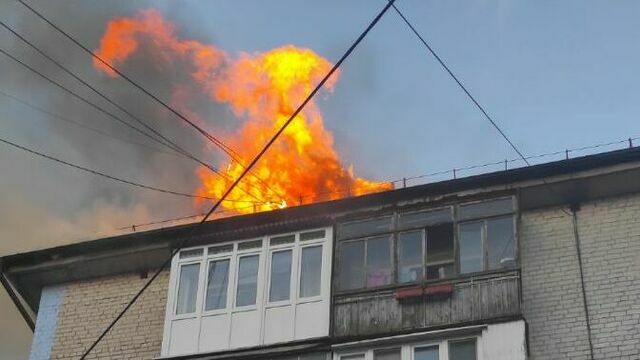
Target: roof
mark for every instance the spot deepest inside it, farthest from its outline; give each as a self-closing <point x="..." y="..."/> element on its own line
<point x="26" y="273"/>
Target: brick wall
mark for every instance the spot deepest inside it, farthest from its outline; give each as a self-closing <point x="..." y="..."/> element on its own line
<point x="89" y="306"/>
<point x="552" y="298"/>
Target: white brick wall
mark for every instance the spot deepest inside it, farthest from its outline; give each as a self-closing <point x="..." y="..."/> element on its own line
<point x="552" y="298"/>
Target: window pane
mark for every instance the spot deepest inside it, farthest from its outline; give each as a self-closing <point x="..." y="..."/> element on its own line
<point x="352" y="357"/>
<point x="410" y="257"/>
<point x="247" y="280"/>
<point x="217" y="285"/>
<point x="280" y="276"/>
<point x="471" y="259"/>
<point x="427" y="353"/>
<point x="312" y="235"/>
<point x="378" y="261"/>
<point x="352" y="265"/>
<point x="314" y="356"/>
<point x="190" y="253"/>
<point x="440" y="258"/>
<point x="250" y="245"/>
<point x="310" y="271"/>
<point x="363" y="228"/>
<point x="485" y="209"/>
<point x="280" y="240"/>
<point x="424" y="218"/>
<point x="389" y="354"/>
<point x="501" y="243"/>
<point x="187" y="288"/>
<point x="462" y="350"/>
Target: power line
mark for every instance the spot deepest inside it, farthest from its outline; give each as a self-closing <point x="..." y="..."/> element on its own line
<point x="81" y="125"/>
<point x="415" y="177"/>
<point x="217" y="142"/>
<point x="184" y="242"/>
<point x="477" y="104"/>
<point x="105" y="175"/>
<point x="169" y="143"/>
<point x="454" y="77"/>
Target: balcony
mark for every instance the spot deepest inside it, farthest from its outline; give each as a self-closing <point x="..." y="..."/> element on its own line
<point x="465" y="300"/>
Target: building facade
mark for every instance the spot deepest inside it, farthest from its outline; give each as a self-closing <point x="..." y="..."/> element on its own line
<point x="536" y="263"/>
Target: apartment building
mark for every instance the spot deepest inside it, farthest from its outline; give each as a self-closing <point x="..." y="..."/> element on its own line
<point x="541" y="262"/>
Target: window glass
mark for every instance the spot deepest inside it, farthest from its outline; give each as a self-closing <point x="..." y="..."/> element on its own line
<point x="410" y="256"/>
<point x="485" y="209"/>
<point x="352" y="357"/>
<point x="387" y="354"/>
<point x="314" y="356"/>
<point x="440" y="258"/>
<point x="470" y="238"/>
<point x="500" y="242"/>
<point x="280" y="276"/>
<point x="187" y="289"/>
<point x="352" y="265"/>
<point x="424" y="218"/>
<point x="217" y="284"/>
<point x="247" y="280"/>
<point x="280" y="240"/>
<point x="220" y="249"/>
<point x="426" y="353"/>
<point x="312" y="235"/>
<point x="462" y="350"/>
<point x="310" y="271"/>
<point x="250" y="245"/>
<point x="363" y="228"/>
<point x="190" y="253"/>
<point x="379" y="261"/>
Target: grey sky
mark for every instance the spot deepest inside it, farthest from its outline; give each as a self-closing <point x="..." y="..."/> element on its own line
<point x="553" y="74"/>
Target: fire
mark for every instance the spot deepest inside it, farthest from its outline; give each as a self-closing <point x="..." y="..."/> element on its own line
<point x="263" y="89"/>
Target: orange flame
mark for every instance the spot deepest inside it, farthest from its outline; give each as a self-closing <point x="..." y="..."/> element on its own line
<point x="264" y="89"/>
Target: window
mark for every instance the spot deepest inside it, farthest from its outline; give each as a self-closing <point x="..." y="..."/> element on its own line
<point x="387" y="354"/>
<point x="366" y="263"/>
<point x="310" y="271"/>
<point x="280" y="276"/>
<point x="410" y="256"/>
<point x="462" y="350"/>
<point x="487" y="245"/>
<point x="459" y="349"/>
<point x="352" y="265"/>
<point x="440" y="257"/>
<point x="426" y="353"/>
<point x="187" y="288"/>
<point x="217" y="284"/>
<point x="426" y="245"/>
<point x="247" y="280"/>
<point x="226" y="295"/>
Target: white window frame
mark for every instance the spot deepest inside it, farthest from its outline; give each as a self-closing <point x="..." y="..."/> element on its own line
<point x="264" y="252"/>
<point x="407" y="349"/>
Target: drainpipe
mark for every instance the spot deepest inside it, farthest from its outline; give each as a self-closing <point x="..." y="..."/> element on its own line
<point x="574" y="209"/>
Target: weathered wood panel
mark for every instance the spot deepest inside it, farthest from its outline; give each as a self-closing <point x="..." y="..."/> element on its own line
<point x="380" y="312"/>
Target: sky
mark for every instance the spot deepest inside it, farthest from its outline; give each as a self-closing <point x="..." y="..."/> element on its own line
<point x="554" y="75"/>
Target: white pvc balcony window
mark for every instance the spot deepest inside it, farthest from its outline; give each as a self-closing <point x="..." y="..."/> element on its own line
<point x="311" y="271"/>
<point x="426" y="353"/>
<point x="187" y="289"/>
<point x="387" y="354"/>
<point x="217" y="285"/>
<point x="247" y="280"/>
<point x="463" y="350"/>
<point x="280" y="287"/>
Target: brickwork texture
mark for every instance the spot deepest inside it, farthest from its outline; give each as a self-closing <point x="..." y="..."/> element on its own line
<point x="609" y="232"/>
<point x="89" y="306"/>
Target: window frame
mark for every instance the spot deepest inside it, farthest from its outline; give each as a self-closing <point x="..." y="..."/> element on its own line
<point x="484" y="243"/>
<point x="407" y="350"/>
<point x="396" y="230"/>
<point x="230" y="250"/>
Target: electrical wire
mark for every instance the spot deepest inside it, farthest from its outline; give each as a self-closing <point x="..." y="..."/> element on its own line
<point x="168" y="142"/>
<point x="105" y="175"/>
<point x="198" y="226"/>
<point x="81" y="125"/>
<point x="217" y="142"/>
